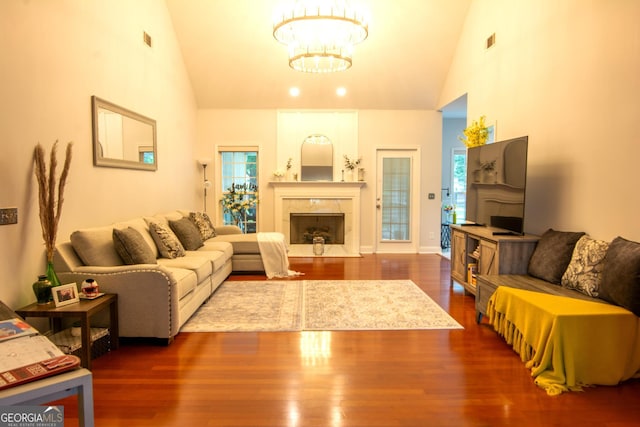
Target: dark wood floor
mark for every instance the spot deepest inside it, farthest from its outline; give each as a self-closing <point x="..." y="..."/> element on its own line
<point x="464" y="377"/>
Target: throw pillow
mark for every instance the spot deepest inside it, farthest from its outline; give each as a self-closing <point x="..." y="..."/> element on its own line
<point x="621" y="275"/>
<point x="204" y="224"/>
<point x="585" y="269"/>
<point x="187" y="233"/>
<point x="553" y="254"/>
<point x="168" y="244"/>
<point x="131" y="247"/>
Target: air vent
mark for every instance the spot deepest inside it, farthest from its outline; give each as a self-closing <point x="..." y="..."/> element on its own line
<point x="146" y="38"/>
<point x="491" y="40"/>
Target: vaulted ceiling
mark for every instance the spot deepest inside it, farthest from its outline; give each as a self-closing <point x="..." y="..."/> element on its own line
<point x="234" y="62"/>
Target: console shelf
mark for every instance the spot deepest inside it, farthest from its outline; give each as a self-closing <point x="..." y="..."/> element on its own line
<point x="478" y="248"/>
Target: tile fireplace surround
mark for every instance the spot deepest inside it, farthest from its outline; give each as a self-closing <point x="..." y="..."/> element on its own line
<point x="319" y="197"/>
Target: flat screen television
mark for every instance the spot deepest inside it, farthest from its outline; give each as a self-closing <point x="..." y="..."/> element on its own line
<point x="496" y="184"/>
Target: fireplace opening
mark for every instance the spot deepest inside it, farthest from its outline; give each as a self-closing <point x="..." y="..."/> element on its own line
<point x="305" y="226"/>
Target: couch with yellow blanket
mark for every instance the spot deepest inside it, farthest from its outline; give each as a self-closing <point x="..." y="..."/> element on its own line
<point x="574" y="318"/>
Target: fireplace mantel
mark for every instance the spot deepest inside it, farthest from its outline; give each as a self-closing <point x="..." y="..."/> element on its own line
<point x="319" y="196"/>
<point x="315" y="184"/>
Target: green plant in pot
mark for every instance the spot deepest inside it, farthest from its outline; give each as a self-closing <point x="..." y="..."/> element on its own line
<point x="50" y="199"/>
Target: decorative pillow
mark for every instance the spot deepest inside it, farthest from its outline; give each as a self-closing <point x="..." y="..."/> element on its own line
<point x="204" y="224"/>
<point x="585" y="269"/>
<point x="131" y="247"/>
<point x="553" y="254"/>
<point x="621" y="275"/>
<point x="168" y="244"/>
<point x="187" y="233"/>
<point x="94" y="246"/>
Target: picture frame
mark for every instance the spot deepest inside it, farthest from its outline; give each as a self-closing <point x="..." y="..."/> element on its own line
<point x="65" y="294"/>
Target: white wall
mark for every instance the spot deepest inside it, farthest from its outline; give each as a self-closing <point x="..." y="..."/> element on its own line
<point x="376" y="129"/>
<point x="53" y="56"/>
<point x="216" y="128"/>
<point x="566" y="73"/>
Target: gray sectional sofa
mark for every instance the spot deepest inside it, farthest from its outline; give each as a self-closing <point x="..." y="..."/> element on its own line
<point x="159" y="284"/>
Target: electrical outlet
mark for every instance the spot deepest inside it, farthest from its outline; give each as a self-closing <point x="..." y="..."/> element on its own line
<point x="432" y="196"/>
<point x="8" y="216"/>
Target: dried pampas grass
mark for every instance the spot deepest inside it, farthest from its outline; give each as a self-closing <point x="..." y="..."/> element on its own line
<point x="50" y="205"/>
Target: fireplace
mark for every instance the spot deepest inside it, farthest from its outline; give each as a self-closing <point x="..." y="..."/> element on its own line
<point x="333" y="205"/>
<point x="305" y="226"/>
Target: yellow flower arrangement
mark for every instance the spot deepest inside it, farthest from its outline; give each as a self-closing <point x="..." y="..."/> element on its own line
<point x="476" y="133"/>
<point x="238" y="199"/>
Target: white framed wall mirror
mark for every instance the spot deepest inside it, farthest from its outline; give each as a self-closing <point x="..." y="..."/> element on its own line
<point x="122" y="138"/>
<point x="316" y="159"/>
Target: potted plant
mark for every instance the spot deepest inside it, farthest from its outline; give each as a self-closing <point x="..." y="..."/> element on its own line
<point x="488" y="171"/>
<point x="50" y="202"/>
<point x="475" y="134"/>
<point x="351" y="165"/>
<point x="237" y="201"/>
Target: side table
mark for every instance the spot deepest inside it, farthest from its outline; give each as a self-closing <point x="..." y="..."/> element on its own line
<point x="445" y="236"/>
<point x="82" y="310"/>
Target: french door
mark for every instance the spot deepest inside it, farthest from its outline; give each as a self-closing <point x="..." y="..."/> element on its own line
<point x="397" y="207"/>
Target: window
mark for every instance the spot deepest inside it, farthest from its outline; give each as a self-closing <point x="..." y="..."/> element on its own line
<point x="459" y="180"/>
<point x="239" y="188"/>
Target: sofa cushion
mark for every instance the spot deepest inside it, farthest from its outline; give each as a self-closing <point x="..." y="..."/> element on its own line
<point x="94" y="246"/>
<point x="186" y="280"/>
<point x="131" y="247"/>
<point x="585" y="269"/>
<point x="621" y="275"/>
<point x="204" y="224"/>
<point x="242" y="243"/>
<point x="200" y="265"/>
<point x="167" y="242"/>
<point x="187" y="233"/>
<point x="213" y="245"/>
<point x="217" y="258"/>
<point x="553" y="254"/>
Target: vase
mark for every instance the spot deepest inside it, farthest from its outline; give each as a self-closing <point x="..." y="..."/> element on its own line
<point x="360" y="174"/>
<point x="42" y="289"/>
<point x="318" y="245"/>
<point x="489" y="177"/>
<point x="51" y="275"/>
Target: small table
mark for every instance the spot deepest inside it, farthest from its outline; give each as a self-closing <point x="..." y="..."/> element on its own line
<point x="445" y="236"/>
<point x="78" y="381"/>
<point x="83" y="310"/>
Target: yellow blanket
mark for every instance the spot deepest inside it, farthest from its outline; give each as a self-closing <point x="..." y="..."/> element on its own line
<point x="567" y="343"/>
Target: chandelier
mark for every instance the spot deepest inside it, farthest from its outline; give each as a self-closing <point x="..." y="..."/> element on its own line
<point x="320" y="34"/>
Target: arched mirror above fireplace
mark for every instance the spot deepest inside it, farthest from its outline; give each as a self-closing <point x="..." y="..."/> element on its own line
<point x="316" y="159"/>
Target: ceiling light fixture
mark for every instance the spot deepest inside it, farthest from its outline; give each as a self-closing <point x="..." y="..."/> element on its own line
<point x="341" y="91"/>
<point x="320" y="34"/>
<point x="294" y="91"/>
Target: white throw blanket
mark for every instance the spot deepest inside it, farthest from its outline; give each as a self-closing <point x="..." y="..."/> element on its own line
<point x="274" y="255"/>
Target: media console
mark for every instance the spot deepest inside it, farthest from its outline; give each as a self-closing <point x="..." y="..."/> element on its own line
<point x="487" y="250"/>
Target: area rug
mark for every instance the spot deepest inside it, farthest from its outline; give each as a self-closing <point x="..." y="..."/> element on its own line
<point x="312" y="305"/>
